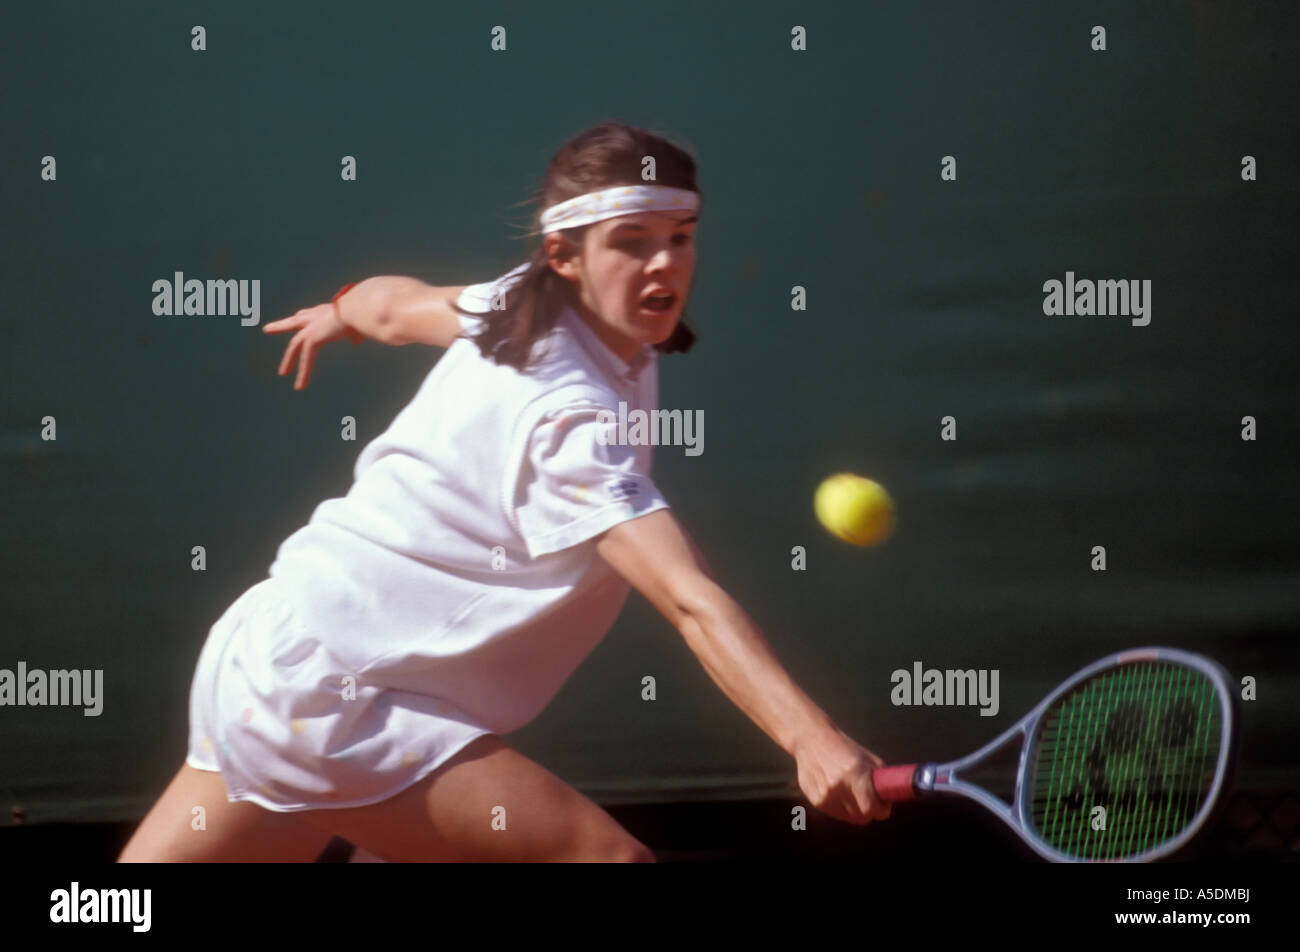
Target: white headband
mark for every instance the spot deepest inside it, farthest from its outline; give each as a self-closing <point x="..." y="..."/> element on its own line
<point x="620" y="200"/>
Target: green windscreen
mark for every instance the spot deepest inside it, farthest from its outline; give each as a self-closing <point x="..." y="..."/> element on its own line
<point x="1139" y="740"/>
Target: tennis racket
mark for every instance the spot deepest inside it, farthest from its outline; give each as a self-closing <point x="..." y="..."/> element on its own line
<point x="1148" y="735"/>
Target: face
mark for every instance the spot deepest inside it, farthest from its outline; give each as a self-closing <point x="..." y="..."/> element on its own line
<point x="624" y="263"/>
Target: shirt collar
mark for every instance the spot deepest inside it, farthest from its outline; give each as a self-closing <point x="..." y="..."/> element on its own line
<point x="627" y="371"/>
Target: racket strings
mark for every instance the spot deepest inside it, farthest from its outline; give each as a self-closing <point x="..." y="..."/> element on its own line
<point x="1140" y="741"/>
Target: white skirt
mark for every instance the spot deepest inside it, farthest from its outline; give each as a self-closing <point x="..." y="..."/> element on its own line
<point x="290" y="728"/>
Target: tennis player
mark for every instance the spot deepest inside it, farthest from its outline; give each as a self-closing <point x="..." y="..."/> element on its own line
<point x="488" y="542"/>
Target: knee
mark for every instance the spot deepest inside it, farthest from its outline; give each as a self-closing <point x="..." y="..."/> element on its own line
<point x="617" y="848"/>
<point x="631" y="851"/>
<point x="139" y="850"/>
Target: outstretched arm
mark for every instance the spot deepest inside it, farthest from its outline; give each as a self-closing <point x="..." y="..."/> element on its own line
<point x="414" y="313"/>
<point x="657" y="557"/>
<point x="390" y="309"/>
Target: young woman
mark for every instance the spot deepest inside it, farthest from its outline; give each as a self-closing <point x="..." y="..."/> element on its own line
<point x="490" y="538"/>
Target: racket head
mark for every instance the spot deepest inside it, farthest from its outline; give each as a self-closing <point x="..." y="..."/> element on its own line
<point x="1149" y="735"/>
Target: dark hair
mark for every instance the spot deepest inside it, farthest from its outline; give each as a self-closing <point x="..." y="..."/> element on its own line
<point x="603" y="156"/>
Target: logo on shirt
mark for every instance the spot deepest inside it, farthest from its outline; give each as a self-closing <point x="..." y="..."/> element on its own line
<point x="622" y="488"/>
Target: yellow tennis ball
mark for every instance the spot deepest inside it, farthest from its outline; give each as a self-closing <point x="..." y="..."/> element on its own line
<point x="855" y="509"/>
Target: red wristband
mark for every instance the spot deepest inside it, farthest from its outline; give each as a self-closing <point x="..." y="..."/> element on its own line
<point x="356" y="336"/>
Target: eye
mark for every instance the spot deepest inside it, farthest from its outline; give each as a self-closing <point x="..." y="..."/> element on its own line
<point x="638" y="242"/>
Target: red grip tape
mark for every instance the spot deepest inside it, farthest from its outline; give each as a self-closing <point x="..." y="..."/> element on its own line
<point x="894" y="784"/>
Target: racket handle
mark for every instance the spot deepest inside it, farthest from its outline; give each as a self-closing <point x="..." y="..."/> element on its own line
<point x="894" y="784"/>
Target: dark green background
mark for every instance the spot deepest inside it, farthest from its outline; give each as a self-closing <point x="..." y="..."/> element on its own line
<point x="819" y="169"/>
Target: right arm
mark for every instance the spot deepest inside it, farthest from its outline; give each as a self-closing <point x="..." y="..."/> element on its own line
<point x="657" y="557"/>
<point x="390" y="309"/>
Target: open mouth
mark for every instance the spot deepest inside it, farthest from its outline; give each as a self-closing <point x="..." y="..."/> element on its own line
<point x="659" y="302"/>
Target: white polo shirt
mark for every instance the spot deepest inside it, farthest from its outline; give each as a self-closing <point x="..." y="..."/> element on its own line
<point x="449" y="594"/>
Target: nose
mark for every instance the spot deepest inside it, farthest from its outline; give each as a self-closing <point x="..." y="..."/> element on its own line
<point x="665" y="258"/>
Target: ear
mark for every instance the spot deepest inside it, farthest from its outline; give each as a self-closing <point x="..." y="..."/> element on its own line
<point x="561" y="255"/>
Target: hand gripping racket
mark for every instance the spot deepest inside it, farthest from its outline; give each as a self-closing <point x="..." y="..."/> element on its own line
<point x="1149" y="735"/>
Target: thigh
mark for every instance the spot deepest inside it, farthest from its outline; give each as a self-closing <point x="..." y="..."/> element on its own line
<point x="232" y="832"/>
<point x="488" y="803"/>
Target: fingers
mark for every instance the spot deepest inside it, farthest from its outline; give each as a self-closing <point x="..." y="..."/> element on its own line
<point x="285" y="324"/>
<point x="856" y="806"/>
<point x="290" y="354"/>
<point x="305" y="363"/>
<point x="880" y="809"/>
<point x="869" y="805"/>
<point x="846" y="791"/>
<point x="857" y="799"/>
<point x="852" y="803"/>
<point x="859" y="811"/>
<point x="851" y="809"/>
<point x="301" y="349"/>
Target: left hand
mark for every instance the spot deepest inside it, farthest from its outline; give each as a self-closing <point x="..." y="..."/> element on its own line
<point x="315" y="327"/>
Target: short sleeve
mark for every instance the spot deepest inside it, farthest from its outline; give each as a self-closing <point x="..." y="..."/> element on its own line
<point x="576" y="482"/>
<point x="478" y="297"/>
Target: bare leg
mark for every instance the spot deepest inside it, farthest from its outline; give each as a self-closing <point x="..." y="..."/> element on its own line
<point x="449" y="816"/>
<point x="235" y="832"/>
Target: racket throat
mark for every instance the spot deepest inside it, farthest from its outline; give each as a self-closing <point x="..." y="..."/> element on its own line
<point x="994" y="770"/>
